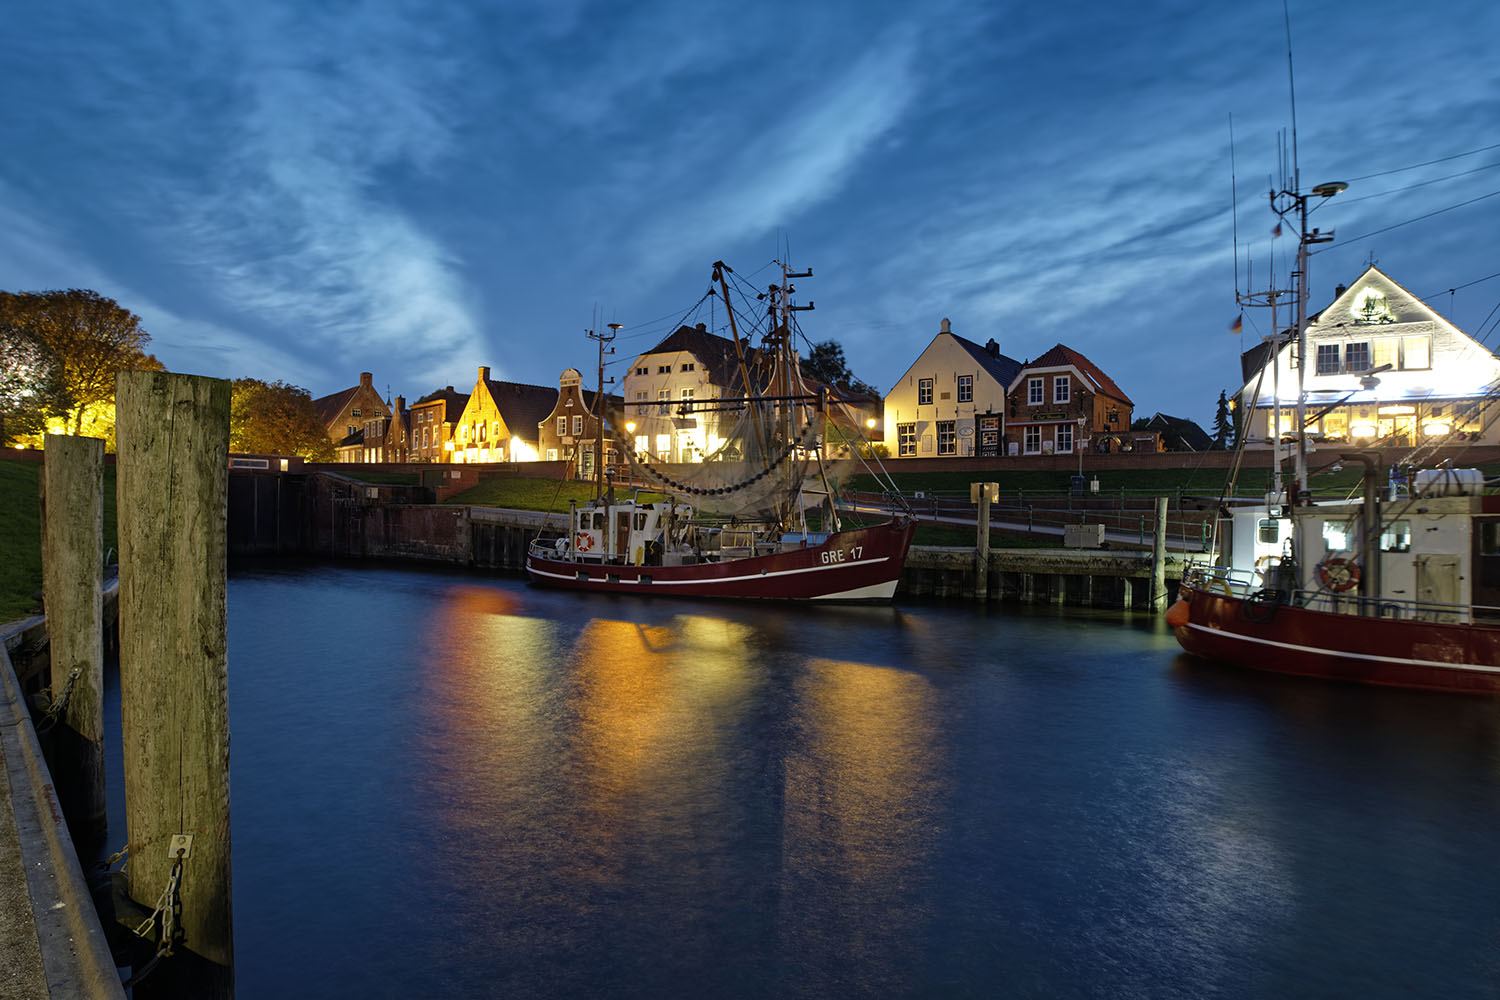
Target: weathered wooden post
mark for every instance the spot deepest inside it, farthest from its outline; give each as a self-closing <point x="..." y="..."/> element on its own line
<point x="173" y="481"/>
<point x="982" y="494"/>
<point x="1159" y="559"/>
<point x="72" y="488"/>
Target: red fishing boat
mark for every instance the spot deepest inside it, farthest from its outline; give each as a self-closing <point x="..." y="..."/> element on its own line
<point x="758" y="518"/>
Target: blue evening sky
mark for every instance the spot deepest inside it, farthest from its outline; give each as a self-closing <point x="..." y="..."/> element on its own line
<point x="303" y="190"/>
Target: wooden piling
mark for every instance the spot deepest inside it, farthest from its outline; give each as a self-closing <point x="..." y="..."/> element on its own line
<point x="173" y="433"/>
<point x="1159" y="559"/>
<point x="72" y="489"/>
<point x="982" y="541"/>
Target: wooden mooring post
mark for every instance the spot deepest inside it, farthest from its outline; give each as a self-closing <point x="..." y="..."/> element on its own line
<point x="1159" y="559"/>
<point x="982" y="494"/>
<point x="72" y="493"/>
<point x="172" y="487"/>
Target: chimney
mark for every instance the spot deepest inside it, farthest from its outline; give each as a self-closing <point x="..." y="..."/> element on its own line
<point x="449" y="389"/>
<point x="364" y="378"/>
<point x="945" y="326"/>
<point x="701" y="328"/>
<point x="484" y="373"/>
<point x="400" y="403"/>
<point x="1340" y="290"/>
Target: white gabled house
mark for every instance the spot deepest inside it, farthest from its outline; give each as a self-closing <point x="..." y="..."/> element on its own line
<point x="1384" y="369"/>
<point x="951" y="401"/>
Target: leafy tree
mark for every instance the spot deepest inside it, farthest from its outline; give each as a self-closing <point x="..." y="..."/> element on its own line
<point x="825" y="362"/>
<point x="1224" y="429"/>
<point x="31" y="384"/>
<point x="91" y="336"/>
<point x="273" y="418"/>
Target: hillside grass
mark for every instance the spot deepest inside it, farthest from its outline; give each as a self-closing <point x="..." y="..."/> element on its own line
<point x="21" y="536"/>
<point x="521" y="493"/>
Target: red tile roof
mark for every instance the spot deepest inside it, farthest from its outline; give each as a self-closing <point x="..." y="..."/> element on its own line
<point x="1062" y="356"/>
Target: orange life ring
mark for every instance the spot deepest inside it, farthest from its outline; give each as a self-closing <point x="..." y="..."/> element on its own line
<point x="584" y="541"/>
<point x="1338" y="574"/>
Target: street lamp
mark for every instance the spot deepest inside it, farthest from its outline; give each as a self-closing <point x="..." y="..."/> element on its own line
<point x="1078" y="444"/>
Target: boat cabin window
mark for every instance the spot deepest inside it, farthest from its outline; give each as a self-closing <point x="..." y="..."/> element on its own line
<point x="583" y="522"/>
<point x="1336" y="535"/>
<point x="1396" y="537"/>
<point x="1489" y="538"/>
<point x="599" y="520"/>
<point x="1269" y="533"/>
<point x="640" y="521"/>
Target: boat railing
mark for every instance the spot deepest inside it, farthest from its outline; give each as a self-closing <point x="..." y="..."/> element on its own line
<point x="1252" y="585"/>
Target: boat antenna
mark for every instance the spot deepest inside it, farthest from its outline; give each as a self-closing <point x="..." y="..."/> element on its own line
<point x="1234" y="210"/>
<point x="1286" y="14"/>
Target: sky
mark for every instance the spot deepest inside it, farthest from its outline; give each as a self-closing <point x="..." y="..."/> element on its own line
<point x="302" y="190"/>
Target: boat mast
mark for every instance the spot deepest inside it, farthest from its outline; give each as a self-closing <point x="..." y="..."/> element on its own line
<point x="604" y="339"/>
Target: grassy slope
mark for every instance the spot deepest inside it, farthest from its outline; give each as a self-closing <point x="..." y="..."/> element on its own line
<point x="20" y="535"/>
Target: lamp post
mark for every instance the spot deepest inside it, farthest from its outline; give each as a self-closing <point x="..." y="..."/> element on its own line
<point x="1083" y="421"/>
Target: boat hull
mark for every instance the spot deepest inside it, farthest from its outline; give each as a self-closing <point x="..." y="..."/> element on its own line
<point x="1386" y="651"/>
<point x="859" y="565"/>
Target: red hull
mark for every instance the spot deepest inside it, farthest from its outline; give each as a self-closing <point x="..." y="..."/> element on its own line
<point x="1398" y="653"/>
<point x="862" y="564"/>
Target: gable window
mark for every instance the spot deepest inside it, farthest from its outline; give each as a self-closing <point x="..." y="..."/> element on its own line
<point x="577" y="423"/>
<point x="906" y="439"/>
<point x="924" y="391"/>
<point x="1064" y="439"/>
<point x="562" y="426"/>
<point x="356" y="413"/>
<point x="643" y="370"/>
<point x="1416" y="352"/>
<point x="1328" y="359"/>
<point x="947" y="434"/>
<point x="481" y="431"/>
<point x="664" y="401"/>
<point x="966" y="388"/>
<point x="1031" y="438"/>
<point x="1357" y="356"/>
<point x="688" y="366"/>
<point x="1062" y="389"/>
<point x="1034" y="392"/>
<point x="663" y="369"/>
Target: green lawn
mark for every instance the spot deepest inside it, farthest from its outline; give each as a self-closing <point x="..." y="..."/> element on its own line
<point x="21" y="539"/>
<point x="520" y="493"/>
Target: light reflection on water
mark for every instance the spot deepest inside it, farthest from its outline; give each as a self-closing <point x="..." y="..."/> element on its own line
<point x="448" y="785"/>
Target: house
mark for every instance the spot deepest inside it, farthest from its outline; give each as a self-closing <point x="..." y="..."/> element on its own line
<point x="951" y="401"/>
<point x="343" y="413"/>
<point x="660" y="387"/>
<point x="396" y="446"/>
<point x="1173" y="434"/>
<point x="500" y="421"/>
<point x="1385" y="370"/>
<point x="570" y="432"/>
<point x="433" y="420"/>
<point x="1061" y="401"/>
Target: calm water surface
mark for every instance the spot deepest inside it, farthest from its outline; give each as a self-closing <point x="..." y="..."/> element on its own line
<point x="449" y="785"/>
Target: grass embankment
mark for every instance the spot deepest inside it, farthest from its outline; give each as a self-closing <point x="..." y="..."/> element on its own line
<point x="520" y="493"/>
<point x="21" y="535"/>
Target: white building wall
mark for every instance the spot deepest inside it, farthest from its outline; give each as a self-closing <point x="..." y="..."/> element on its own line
<point x="684" y="443"/>
<point x="944" y="360"/>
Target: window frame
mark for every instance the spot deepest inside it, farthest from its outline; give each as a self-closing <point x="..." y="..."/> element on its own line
<point x="906" y="440"/>
<point x="947" y="437"/>
<point x="966" y="388"/>
<point x="1064" y="383"/>
<point x="924" y="392"/>
<point x="1063" y="431"/>
<point x="1035" y="390"/>
<point x="1031" y="440"/>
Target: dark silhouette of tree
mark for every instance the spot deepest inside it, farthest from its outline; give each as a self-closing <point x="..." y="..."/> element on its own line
<point x="273" y="418"/>
<point x="31" y="384"/>
<point x="825" y="362"/>
<point x="1224" y="427"/>
<point x="91" y="336"/>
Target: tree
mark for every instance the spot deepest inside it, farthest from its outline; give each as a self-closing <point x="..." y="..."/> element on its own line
<point x="31" y="384"/>
<point x="825" y="362"/>
<point x="1224" y="429"/>
<point x="93" y="338"/>
<point x="273" y="418"/>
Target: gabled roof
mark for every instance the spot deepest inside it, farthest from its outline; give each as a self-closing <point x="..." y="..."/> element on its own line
<point x="1180" y="433"/>
<point x="329" y="407"/>
<point x="453" y="402"/>
<point x="1062" y="356"/>
<point x="523" y="407"/>
<point x="1003" y="369"/>
<point x="716" y="353"/>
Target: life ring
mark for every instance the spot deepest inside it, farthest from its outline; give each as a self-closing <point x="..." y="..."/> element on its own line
<point x="584" y="541"/>
<point x="1338" y="574"/>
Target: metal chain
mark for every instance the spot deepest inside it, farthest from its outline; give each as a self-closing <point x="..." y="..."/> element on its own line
<point x="169" y="909"/>
<point x="57" y="708"/>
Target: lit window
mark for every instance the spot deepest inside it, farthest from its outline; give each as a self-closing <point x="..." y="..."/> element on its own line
<point x="1336" y="536"/>
<point x="906" y="439"/>
<point x="1034" y="393"/>
<point x="1416" y="352"/>
<point x="1328" y="359"/>
<point x="562" y="426"/>
<point x="1396" y="537"/>
<point x="924" y="391"/>
<point x="687" y="397"/>
<point x="357" y="413"/>
<point x="1062" y="389"/>
<point x="947" y="437"/>
<point x="966" y="388"/>
<point x="1064" y="439"/>
<point x="1032" y="439"/>
<point x="1382" y="353"/>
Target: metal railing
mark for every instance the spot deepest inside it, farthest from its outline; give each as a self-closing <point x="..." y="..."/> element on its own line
<point x="1254" y="585"/>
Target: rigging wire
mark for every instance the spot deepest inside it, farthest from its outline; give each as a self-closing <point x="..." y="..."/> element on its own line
<point x="1427" y="163"/>
<point x="1409" y="187"/>
<point x="1398" y="225"/>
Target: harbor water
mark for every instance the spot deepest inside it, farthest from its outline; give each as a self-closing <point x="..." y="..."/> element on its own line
<point x="459" y="786"/>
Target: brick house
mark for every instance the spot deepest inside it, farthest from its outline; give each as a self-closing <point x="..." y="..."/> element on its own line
<point x="343" y="414"/>
<point x="570" y="432"/>
<point x="434" y="419"/>
<point x="501" y="421"/>
<point x="1063" y="401"/>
